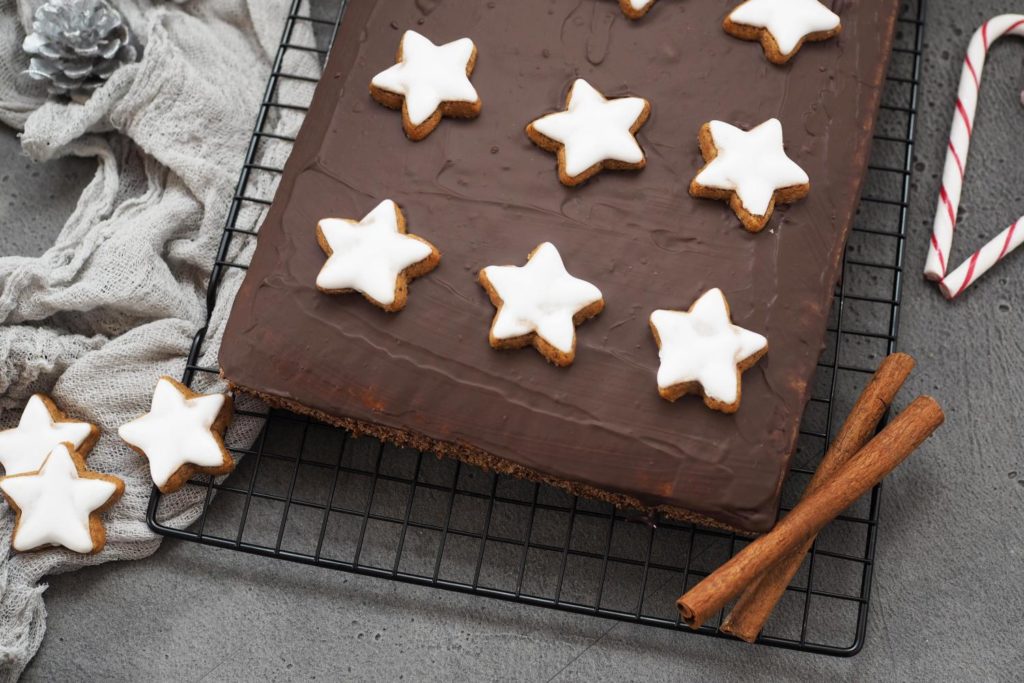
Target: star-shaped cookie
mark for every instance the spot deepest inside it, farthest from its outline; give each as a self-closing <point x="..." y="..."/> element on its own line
<point x="750" y="169"/>
<point x="593" y="133"/>
<point x="42" y="427"/>
<point x="182" y="434"/>
<point x="782" y="26"/>
<point x="635" y="9"/>
<point x="60" y="505"/>
<point x="429" y="82"/>
<point x="703" y="352"/>
<point x="375" y="257"/>
<point x="539" y="304"/>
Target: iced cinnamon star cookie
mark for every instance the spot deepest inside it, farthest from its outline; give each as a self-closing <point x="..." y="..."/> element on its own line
<point x="539" y="304"/>
<point x="41" y="428"/>
<point x="749" y="169"/>
<point x="593" y="133"/>
<point x="60" y="505"/>
<point x="182" y="435"/>
<point x="375" y="257"/>
<point x="782" y="26"/>
<point x="429" y="82"/>
<point x="635" y="9"/>
<point x="702" y="352"/>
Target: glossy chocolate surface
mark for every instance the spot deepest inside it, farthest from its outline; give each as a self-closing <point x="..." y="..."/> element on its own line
<point x="484" y="194"/>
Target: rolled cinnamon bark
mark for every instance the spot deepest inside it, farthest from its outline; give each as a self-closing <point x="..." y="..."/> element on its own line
<point x="876" y="460"/>
<point x="748" y="617"/>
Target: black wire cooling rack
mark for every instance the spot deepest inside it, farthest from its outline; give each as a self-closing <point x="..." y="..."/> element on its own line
<point x="309" y="493"/>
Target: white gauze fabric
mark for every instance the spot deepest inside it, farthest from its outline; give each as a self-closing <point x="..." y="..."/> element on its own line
<point x="116" y="301"/>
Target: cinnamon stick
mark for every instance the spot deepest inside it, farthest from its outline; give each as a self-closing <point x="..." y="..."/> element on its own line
<point x="876" y="460"/>
<point x="759" y="599"/>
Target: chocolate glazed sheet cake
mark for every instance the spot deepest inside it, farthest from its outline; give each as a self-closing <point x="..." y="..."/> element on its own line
<point x="484" y="194"/>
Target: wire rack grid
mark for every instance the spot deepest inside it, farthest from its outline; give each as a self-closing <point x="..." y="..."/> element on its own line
<point x="309" y="493"/>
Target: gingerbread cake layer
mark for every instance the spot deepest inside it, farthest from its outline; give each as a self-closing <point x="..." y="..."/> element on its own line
<point x="484" y="194"/>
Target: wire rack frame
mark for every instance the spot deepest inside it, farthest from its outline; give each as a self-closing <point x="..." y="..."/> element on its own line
<point x="311" y="494"/>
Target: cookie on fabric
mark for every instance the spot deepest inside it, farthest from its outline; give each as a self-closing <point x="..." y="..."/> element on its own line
<point x="429" y="82"/>
<point x="782" y="26"/>
<point x="702" y="352"/>
<point x="539" y="304"/>
<point x="593" y="133"/>
<point x="182" y="435"/>
<point x="636" y="9"/>
<point x="41" y="428"/>
<point x="750" y="170"/>
<point x="376" y="257"/>
<point x="61" y="504"/>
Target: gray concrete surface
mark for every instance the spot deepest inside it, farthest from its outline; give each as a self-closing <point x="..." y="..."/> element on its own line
<point x="35" y="199"/>
<point x="949" y="581"/>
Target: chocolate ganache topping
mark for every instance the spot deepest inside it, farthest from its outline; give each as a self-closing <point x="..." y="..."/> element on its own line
<point x="485" y="194"/>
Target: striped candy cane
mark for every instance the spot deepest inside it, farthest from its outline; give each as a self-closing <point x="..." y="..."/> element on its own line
<point x="953" y="173"/>
<point x="983" y="259"/>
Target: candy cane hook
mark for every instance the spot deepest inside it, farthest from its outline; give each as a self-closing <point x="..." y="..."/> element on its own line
<point x="953" y="173"/>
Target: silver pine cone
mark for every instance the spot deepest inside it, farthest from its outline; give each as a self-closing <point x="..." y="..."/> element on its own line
<point x="75" y="46"/>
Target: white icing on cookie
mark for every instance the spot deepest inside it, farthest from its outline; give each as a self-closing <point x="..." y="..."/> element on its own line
<point x="55" y="504"/>
<point x="176" y="432"/>
<point x="639" y="5"/>
<point x="540" y="297"/>
<point x="370" y="255"/>
<point x="24" y="448"/>
<point x="752" y="163"/>
<point x="789" y="21"/>
<point x="594" y="129"/>
<point x="429" y="75"/>
<point x="702" y="345"/>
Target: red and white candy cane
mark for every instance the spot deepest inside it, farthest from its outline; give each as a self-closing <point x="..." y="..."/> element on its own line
<point x="983" y="259"/>
<point x="953" y="172"/>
